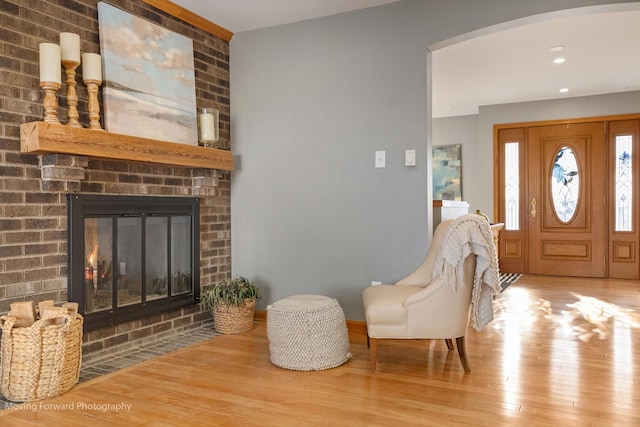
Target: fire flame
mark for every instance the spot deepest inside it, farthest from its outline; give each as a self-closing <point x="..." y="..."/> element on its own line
<point x="93" y="257"/>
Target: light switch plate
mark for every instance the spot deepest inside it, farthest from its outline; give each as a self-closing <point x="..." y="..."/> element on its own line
<point x="380" y="159"/>
<point x="409" y="157"/>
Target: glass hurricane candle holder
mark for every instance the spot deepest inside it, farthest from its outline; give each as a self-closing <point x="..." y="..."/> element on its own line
<point x="208" y="133"/>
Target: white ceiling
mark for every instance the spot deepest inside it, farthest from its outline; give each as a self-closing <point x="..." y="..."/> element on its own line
<point x="245" y="15"/>
<point x="602" y="52"/>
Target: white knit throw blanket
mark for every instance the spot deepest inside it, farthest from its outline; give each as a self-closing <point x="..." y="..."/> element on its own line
<point x="470" y="233"/>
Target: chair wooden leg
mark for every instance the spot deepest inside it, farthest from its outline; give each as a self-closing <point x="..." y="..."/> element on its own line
<point x="462" y="352"/>
<point x="449" y="344"/>
<point x="373" y="354"/>
<point x="368" y="343"/>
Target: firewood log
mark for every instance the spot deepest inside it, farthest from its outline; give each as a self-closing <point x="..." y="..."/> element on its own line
<point x="24" y="312"/>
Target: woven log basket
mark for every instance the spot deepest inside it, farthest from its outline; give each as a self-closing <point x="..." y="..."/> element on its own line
<point x="231" y="319"/>
<point x="42" y="360"/>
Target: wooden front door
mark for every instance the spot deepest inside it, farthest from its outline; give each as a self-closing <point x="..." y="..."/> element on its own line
<point x="568" y="195"/>
<point x="566" y="192"/>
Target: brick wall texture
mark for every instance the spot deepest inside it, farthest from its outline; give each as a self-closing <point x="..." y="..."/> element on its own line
<point x="33" y="217"/>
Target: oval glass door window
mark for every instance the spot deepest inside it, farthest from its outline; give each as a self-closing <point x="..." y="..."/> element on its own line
<point x="565" y="184"/>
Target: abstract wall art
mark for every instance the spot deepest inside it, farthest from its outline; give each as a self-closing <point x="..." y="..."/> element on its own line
<point x="447" y="173"/>
<point x="148" y="78"/>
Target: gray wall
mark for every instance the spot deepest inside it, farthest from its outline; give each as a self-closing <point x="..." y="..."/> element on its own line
<point x="310" y="104"/>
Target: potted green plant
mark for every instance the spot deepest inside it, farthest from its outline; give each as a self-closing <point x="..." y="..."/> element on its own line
<point x="233" y="303"/>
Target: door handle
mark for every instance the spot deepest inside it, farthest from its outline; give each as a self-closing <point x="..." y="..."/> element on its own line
<point x="533" y="208"/>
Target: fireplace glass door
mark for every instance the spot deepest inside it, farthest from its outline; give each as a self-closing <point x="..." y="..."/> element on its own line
<point x="139" y="256"/>
<point x="98" y="237"/>
<point x="157" y="270"/>
<point x="180" y="260"/>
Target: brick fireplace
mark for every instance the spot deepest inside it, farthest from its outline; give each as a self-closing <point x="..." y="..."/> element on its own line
<point x="38" y="234"/>
<point x="34" y="187"/>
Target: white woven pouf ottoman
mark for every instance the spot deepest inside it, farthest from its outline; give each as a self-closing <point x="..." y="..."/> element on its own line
<point x="307" y="333"/>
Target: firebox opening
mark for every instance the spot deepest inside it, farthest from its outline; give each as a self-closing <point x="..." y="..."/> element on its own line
<point x="132" y="256"/>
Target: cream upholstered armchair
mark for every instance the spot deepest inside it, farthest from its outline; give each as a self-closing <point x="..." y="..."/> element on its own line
<point x="420" y="307"/>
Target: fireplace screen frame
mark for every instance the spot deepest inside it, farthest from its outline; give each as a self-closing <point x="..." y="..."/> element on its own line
<point x="81" y="206"/>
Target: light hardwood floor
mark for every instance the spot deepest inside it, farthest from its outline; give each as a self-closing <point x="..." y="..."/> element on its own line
<point x="560" y="352"/>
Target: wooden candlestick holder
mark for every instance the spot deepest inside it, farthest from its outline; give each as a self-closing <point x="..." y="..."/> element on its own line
<point x="94" y="106"/>
<point x="50" y="101"/>
<point x="72" y="96"/>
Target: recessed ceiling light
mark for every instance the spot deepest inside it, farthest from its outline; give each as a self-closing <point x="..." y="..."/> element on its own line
<point x="564" y="90"/>
<point x="559" y="60"/>
<point x="558" y="48"/>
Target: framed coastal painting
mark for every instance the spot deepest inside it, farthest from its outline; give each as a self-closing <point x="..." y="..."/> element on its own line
<point x="447" y="173"/>
<point x="148" y="78"/>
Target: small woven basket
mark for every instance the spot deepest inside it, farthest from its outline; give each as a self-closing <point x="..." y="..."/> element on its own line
<point x="231" y="319"/>
<point x="42" y="360"/>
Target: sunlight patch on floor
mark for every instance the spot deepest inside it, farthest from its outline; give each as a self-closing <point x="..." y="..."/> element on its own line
<point x="586" y="318"/>
<point x="591" y="317"/>
<point x="583" y="317"/>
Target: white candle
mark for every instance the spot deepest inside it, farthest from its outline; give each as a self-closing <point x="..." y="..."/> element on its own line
<point x="208" y="118"/>
<point x="50" y="70"/>
<point x="70" y="47"/>
<point x="91" y="67"/>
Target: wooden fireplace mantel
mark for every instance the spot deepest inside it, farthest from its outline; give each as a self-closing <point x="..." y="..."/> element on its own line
<point x="44" y="138"/>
